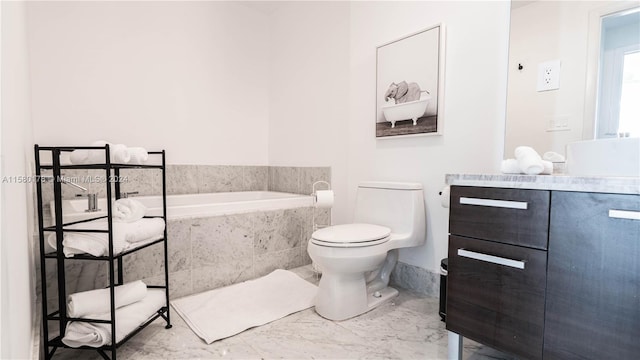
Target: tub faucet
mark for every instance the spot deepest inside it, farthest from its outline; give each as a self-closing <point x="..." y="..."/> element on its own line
<point x="65" y="181"/>
<point x="92" y="202"/>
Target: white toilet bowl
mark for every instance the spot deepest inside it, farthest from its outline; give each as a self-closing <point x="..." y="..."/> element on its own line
<point x="357" y="259"/>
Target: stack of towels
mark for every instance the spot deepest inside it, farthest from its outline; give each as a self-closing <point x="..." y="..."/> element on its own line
<point x="130" y="230"/>
<point x="134" y="304"/>
<point x="529" y="162"/>
<point x="120" y="154"/>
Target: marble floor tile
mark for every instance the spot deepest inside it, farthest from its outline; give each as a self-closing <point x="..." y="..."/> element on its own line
<point x="407" y="327"/>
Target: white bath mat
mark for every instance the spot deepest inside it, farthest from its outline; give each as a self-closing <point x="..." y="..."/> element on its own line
<point x="220" y="313"/>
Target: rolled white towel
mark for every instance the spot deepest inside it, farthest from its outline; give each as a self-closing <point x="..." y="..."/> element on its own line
<point x="144" y="229"/>
<point x="128" y="318"/>
<point x="510" y="166"/>
<point x="79" y="157"/>
<point x="139" y="155"/>
<point x="548" y="167"/>
<point x="119" y="154"/>
<point x="98" y="301"/>
<point x="128" y="210"/>
<point x="529" y="160"/>
<point x="553" y="157"/>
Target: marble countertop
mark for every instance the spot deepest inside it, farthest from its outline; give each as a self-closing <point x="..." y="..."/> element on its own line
<point x="614" y="185"/>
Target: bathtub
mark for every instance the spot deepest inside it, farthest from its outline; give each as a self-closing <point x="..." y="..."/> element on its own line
<point x="194" y="205"/>
<point x="405" y="111"/>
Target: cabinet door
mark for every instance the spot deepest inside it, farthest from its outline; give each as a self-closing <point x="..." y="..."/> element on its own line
<point x="593" y="281"/>
<point x="495" y="294"/>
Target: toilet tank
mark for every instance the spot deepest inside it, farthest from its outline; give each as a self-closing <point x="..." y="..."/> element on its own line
<point x="398" y="206"/>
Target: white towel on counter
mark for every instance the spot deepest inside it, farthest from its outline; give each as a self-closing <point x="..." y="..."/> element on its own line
<point x="85" y="303"/>
<point x="128" y="210"/>
<point x="139" y="155"/>
<point x="119" y="154"/>
<point x="128" y="318"/>
<point x="510" y="166"/>
<point x="529" y="160"/>
<point x="97" y="243"/>
<point x="553" y="157"/>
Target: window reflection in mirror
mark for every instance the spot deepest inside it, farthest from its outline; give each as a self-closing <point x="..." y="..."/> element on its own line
<point x="618" y="108"/>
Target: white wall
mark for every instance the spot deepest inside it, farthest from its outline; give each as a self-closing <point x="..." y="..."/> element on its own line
<point x="189" y="77"/>
<point x="474" y="104"/>
<point x="309" y="90"/>
<point x="17" y="299"/>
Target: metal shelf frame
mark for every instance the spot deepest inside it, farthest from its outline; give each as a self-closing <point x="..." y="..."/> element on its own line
<point x="112" y="171"/>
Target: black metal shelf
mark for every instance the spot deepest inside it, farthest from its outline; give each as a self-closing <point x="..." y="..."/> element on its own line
<point x="60" y="315"/>
<point x="54" y="255"/>
<point x="57" y="341"/>
<point x="102" y="166"/>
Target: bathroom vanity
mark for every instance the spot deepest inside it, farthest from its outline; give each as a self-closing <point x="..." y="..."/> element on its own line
<point x="545" y="266"/>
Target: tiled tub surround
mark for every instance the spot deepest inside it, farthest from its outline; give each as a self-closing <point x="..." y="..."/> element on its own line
<point x="204" y="252"/>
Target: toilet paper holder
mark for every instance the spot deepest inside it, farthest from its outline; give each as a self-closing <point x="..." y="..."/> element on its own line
<point x="317" y="226"/>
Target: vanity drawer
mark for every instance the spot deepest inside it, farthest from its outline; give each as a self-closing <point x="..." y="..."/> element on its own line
<point x="510" y="216"/>
<point x="496" y="294"/>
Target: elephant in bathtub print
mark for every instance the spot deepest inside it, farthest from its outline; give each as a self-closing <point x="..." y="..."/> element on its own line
<point x="408" y="102"/>
<point x="403" y="92"/>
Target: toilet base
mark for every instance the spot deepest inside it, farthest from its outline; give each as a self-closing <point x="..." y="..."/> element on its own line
<point x="368" y="302"/>
<point x="386" y="294"/>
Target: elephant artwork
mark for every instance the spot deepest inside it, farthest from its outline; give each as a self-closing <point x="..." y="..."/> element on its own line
<point x="403" y="92"/>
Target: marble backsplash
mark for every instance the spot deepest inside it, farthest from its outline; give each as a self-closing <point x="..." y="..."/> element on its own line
<point x="194" y="179"/>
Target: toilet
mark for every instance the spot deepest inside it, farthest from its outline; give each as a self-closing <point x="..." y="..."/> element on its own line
<point x="357" y="259"/>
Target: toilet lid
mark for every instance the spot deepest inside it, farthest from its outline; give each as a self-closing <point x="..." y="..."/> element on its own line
<point x="351" y="235"/>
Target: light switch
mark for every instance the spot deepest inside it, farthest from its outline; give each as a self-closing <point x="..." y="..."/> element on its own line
<point x="548" y="75"/>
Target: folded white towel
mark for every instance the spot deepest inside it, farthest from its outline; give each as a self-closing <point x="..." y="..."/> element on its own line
<point x="128" y="210"/>
<point x="553" y="157"/>
<point x="548" y="167"/>
<point x="97" y="244"/>
<point x="144" y="229"/>
<point x="529" y="160"/>
<point x="98" y="301"/>
<point x="510" y="166"/>
<point x="139" y="155"/>
<point x="128" y="318"/>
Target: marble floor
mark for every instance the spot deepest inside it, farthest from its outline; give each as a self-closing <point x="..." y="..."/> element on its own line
<point x="409" y="327"/>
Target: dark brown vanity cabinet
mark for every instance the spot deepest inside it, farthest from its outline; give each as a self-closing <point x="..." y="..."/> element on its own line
<point x="593" y="282"/>
<point x="545" y="274"/>
<point x="497" y="267"/>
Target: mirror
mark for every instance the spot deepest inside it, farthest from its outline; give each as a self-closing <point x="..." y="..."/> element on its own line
<point x="556" y="87"/>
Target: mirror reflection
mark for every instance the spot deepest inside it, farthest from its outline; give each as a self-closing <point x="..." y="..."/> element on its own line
<point x="560" y="89"/>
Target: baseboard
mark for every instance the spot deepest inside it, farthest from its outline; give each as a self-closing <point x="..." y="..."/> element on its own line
<point x="416" y="278"/>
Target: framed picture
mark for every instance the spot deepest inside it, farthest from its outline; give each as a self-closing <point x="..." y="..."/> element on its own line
<point x="410" y="85"/>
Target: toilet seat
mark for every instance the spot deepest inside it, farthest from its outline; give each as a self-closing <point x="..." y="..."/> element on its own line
<point x="351" y="235"/>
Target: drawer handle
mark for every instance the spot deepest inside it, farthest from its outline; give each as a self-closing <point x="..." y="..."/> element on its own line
<point x="519" y="264"/>
<point x="494" y="203"/>
<point x="624" y="214"/>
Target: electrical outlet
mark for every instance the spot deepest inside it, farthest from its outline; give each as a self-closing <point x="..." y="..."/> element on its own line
<point x="549" y="75"/>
